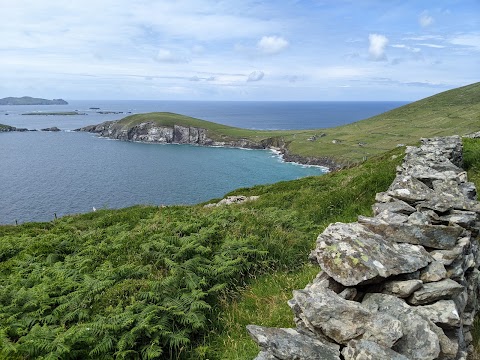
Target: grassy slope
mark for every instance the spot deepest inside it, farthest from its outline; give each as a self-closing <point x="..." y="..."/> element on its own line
<point x="455" y="111"/>
<point x="146" y="278"/>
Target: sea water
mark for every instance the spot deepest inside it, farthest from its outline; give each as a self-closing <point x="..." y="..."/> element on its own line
<point x="47" y="173"/>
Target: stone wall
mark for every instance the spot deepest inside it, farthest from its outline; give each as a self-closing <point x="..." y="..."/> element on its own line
<point x="403" y="284"/>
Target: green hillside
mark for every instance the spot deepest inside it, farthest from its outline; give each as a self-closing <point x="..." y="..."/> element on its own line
<point x="455" y="111"/>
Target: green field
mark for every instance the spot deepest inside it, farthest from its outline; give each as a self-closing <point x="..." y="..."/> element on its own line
<point x="181" y="282"/>
<point x="452" y="112"/>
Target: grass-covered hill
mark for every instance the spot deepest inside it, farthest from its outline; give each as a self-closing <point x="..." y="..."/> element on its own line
<point x="455" y="111"/>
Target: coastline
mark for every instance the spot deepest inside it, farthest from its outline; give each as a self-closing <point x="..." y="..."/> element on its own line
<point x="325" y="164"/>
<point x="148" y="131"/>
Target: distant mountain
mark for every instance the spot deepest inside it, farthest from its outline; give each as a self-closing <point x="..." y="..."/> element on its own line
<point x="27" y="100"/>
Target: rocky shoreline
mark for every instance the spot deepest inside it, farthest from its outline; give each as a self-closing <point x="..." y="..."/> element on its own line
<point x="7" y="128"/>
<point x="150" y="132"/>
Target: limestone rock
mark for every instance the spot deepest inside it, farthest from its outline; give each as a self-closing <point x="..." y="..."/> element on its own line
<point x="447" y="257"/>
<point x="352" y="254"/>
<point x="409" y="189"/>
<point x="433" y="236"/>
<point x="469" y="190"/>
<point x="448" y="347"/>
<point x="443" y="312"/>
<point x="435" y="271"/>
<point x="385" y="216"/>
<point x="395" y="206"/>
<point x="383" y="329"/>
<point x="342" y="322"/>
<point x="402" y="289"/>
<point x="466" y="219"/>
<point x="264" y="355"/>
<point x="418" y="340"/>
<point x="419" y="218"/>
<point x="434" y="291"/>
<point x="427" y="170"/>
<point x="229" y="200"/>
<point x="369" y="350"/>
<point x="290" y="344"/>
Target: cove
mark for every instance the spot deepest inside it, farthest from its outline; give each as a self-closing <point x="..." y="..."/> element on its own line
<point x="44" y="173"/>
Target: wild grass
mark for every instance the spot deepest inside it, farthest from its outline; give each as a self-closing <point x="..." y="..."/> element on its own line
<point x="147" y="282"/>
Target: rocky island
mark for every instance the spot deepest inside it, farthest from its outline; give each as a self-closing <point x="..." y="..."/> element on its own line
<point x="27" y="100"/>
<point x="8" y="128"/>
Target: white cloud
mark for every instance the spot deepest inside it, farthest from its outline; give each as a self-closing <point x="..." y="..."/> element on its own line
<point x="377" y="47"/>
<point x="167" y="56"/>
<point x="435" y="46"/>
<point x="471" y="40"/>
<point x="425" y="20"/>
<point x="406" y="47"/>
<point x="256" y="75"/>
<point x="272" y="44"/>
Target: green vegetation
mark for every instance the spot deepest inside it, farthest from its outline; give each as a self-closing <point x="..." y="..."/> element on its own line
<point x="145" y="281"/>
<point x="452" y="112"/>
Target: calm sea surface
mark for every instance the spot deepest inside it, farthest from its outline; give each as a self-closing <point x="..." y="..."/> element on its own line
<point x="43" y="173"/>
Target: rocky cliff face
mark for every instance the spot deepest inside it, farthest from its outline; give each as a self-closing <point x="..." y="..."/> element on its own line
<point x="151" y="132"/>
<point x="403" y="284"/>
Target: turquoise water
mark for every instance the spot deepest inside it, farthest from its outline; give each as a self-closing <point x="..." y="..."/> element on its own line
<point x="43" y="173"/>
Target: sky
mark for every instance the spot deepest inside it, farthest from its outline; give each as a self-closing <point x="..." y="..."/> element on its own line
<point x="333" y="50"/>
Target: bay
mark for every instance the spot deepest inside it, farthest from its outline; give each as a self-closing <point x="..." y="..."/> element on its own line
<point x="47" y="173"/>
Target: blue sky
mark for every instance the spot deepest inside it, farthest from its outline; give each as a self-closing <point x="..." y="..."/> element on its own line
<point x="238" y="50"/>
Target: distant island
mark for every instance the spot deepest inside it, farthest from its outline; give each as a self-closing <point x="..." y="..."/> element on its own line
<point x="27" y="100"/>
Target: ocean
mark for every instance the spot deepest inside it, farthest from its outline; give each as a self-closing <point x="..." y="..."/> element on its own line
<point x="48" y="173"/>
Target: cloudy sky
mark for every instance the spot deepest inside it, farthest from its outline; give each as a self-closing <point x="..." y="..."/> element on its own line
<point x="238" y="49"/>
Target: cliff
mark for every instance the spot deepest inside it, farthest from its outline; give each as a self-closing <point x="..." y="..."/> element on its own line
<point x="153" y="133"/>
<point x="27" y="100"/>
<point x="401" y="285"/>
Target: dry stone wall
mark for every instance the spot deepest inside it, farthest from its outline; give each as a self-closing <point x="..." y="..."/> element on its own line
<point x="402" y="284"/>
